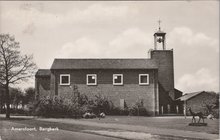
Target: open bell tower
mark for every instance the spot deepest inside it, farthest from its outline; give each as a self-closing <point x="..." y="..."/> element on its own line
<point x="159" y="37"/>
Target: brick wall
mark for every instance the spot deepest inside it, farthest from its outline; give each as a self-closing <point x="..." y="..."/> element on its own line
<point x="42" y="85"/>
<point x="165" y="70"/>
<point x="103" y="76"/>
<point x="131" y="91"/>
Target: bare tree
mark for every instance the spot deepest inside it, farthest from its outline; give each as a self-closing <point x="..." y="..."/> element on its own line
<point x="14" y="67"/>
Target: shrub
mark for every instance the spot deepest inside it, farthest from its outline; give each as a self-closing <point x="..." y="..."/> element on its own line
<point x="138" y="109"/>
<point x="216" y="113"/>
<point x="119" y="111"/>
<point x="19" y="111"/>
<point x="212" y="108"/>
<point x="75" y="107"/>
<point x="101" y="104"/>
<point x="56" y="107"/>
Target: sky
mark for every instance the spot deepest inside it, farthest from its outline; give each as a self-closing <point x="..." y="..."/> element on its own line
<point x="119" y="29"/>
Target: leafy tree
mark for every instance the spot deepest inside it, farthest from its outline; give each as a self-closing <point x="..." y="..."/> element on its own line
<point x="216" y="104"/>
<point x="14" y="66"/>
<point x="29" y="95"/>
<point x="2" y="98"/>
<point x="16" y="97"/>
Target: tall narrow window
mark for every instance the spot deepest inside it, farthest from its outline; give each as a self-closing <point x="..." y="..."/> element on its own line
<point x="91" y="79"/>
<point x="143" y="79"/>
<point x="64" y="79"/>
<point x="117" y="79"/>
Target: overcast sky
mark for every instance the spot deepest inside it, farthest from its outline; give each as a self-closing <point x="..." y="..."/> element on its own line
<point x="123" y="29"/>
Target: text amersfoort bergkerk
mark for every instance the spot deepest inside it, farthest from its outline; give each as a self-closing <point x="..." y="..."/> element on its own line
<point x="48" y="129"/>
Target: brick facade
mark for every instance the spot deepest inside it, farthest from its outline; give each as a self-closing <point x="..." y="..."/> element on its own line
<point x="165" y="70"/>
<point x="42" y="86"/>
<point x="158" y="96"/>
<point x="130" y="91"/>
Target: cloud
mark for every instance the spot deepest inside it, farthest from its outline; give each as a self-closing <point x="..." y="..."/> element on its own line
<point x="131" y="37"/>
<point x="38" y="15"/>
<point x="30" y="14"/>
<point x="131" y="41"/>
<point x="82" y="47"/>
<point x="99" y="12"/>
<point x="203" y="79"/>
<point x="188" y="38"/>
<point x="29" y="29"/>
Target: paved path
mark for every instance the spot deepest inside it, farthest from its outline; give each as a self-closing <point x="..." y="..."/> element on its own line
<point x="156" y="131"/>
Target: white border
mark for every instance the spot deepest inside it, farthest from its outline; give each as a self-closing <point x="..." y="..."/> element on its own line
<point x="87" y="80"/>
<point x="114" y="80"/>
<point x="61" y="79"/>
<point x="147" y="83"/>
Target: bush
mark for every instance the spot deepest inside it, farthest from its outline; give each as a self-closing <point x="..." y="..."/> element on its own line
<point x="75" y="107"/>
<point x="101" y="104"/>
<point x="216" y="113"/>
<point x="138" y="109"/>
<point x="212" y="108"/>
<point x="119" y="111"/>
<point x="19" y="111"/>
<point x="56" y="107"/>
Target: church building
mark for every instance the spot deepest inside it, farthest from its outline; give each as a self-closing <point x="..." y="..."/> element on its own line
<point x="123" y="81"/>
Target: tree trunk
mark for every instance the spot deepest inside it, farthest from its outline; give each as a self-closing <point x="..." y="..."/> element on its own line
<point x="7" y="100"/>
<point x="1" y="108"/>
<point x="1" y="102"/>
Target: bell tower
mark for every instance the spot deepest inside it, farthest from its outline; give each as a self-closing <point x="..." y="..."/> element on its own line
<point x="164" y="59"/>
<point x="160" y="37"/>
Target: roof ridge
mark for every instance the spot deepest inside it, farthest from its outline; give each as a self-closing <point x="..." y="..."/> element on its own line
<point x="104" y="63"/>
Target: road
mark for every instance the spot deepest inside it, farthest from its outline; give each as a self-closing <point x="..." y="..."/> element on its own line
<point x="12" y="131"/>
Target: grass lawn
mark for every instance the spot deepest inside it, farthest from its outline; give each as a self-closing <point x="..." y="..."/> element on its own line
<point x="159" y="122"/>
<point x="32" y="122"/>
<point x="162" y="122"/>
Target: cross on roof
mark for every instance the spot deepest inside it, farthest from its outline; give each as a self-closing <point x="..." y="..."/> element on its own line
<point x="159" y="21"/>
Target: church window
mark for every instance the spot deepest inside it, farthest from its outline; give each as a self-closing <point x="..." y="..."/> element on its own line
<point x="64" y="79"/>
<point x="91" y="79"/>
<point x="117" y="79"/>
<point x="143" y="79"/>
